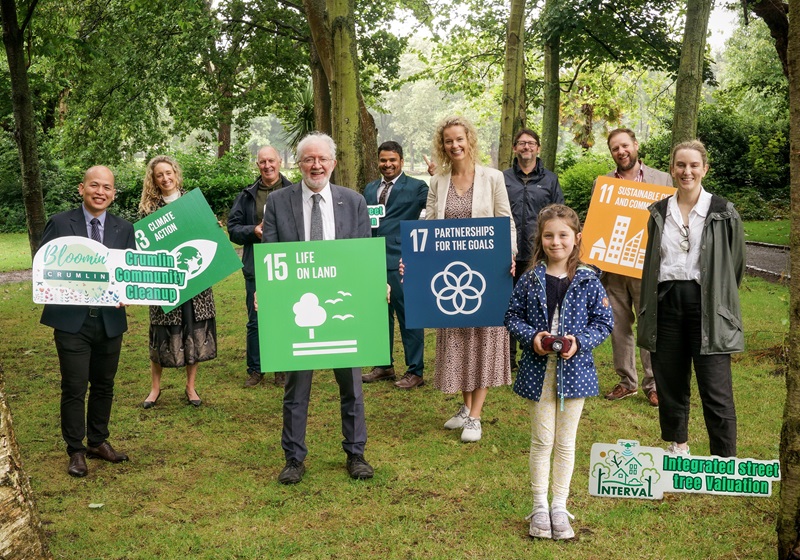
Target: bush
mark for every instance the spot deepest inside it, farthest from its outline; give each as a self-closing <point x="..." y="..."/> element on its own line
<point x="577" y="181"/>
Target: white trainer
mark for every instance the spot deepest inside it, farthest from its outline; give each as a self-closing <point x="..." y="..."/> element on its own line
<point x="673" y="449"/>
<point x="472" y="430"/>
<point x="540" y="523"/>
<point x="559" y="522"/>
<point x="457" y="421"/>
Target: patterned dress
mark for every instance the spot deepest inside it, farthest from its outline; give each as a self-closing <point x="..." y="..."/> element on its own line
<point x="469" y="358"/>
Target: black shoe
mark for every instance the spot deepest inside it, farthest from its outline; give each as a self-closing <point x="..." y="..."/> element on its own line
<point x="358" y="467"/>
<point x="194" y="402"/>
<point x="293" y="472"/>
<point x="150" y="404"/>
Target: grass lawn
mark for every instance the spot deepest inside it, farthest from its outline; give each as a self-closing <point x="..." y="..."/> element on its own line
<point x="202" y="482"/>
<point x="15" y="253"/>
<point x="773" y="231"/>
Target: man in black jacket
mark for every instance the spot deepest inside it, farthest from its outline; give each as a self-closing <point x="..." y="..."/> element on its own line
<point x="530" y="187"/>
<point x="88" y="339"/>
<point x="244" y="228"/>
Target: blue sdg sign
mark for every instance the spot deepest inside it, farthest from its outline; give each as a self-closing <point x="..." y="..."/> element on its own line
<point x="457" y="272"/>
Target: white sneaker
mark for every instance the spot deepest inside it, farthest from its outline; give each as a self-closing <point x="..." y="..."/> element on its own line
<point x="540" y="523"/>
<point x="559" y="523"/>
<point x="673" y="449"/>
<point x="472" y="430"/>
<point x="457" y="421"/>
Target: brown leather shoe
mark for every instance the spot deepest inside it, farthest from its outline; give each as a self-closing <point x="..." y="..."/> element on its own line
<point x="280" y="379"/>
<point x="620" y="392"/>
<point x="652" y="396"/>
<point x="77" y="464"/>
<point x="105" y="452"/>
<point x="409" y="381"/>
<point x="379" y="374"/>
<point x="253" y="379"/>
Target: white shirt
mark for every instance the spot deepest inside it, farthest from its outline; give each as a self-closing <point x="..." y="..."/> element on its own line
<point x="676" y="263"/>
<point x="326" y="208"/>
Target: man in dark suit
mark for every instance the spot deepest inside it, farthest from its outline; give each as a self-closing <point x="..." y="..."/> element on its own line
<point x="88" y="339"/>
<point x="315" y="209"/>
<point x="403" y="198"/>
<point x="244" y="228"/>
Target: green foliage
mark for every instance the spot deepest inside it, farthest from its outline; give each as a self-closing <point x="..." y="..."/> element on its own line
<point x="303" y="121"/>
<point x="220" y="179"/>
<point x="577" y="181"/>
<point x="748" y="159"/>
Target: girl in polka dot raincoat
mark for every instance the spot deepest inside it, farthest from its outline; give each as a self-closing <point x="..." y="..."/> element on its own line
<point x="558" y="296"/>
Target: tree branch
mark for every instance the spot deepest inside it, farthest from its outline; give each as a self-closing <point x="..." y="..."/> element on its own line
<point x="28" y="16"/>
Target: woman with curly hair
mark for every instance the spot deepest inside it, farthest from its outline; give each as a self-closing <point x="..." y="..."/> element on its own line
<point x="186" y="335"/>
<point x="468" y="360"/>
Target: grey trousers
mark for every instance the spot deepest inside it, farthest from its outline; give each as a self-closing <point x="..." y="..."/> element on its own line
<point x="295" y="412"/>
<point x="623" y="294"/>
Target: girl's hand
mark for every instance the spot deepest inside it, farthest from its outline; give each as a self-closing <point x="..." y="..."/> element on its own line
<point x="573" y="349"/>
<point x="537" y="343"/>
<point x="513" y="266"/>
<point x="388" y="293"/>
<point x="401" y="269"/>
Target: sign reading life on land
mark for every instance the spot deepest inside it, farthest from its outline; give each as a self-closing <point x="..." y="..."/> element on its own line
<point x="626" y="470"/>
<point x="188" y="230"/>
<point x="322" y="304"/>
<point x="615" y="231"/>
<point x="457" y="272"/>
<point x="182" y="251"/>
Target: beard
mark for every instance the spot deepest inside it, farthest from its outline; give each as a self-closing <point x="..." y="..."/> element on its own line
<point x="633" y="159"/>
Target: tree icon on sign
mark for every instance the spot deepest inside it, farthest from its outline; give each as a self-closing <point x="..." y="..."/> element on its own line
<point x="309" y="313"/>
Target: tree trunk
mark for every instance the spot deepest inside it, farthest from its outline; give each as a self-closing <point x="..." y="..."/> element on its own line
<point x="512" y="116"/>
<point x="552" y="96"/>
<point x="21" y="534"/>
<point x="24" y="121"/>
<point x="775" y="15"/>
<point x="332" y="25"/>
<point x="322" y="92"/>
<point x="690" y="72"/>
<point x="789" y="514"/>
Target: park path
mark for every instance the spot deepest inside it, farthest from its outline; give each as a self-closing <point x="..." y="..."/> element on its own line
<point x="767" y="261"/>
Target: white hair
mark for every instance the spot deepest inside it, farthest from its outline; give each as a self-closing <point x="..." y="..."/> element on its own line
<point x="314" y="137"/>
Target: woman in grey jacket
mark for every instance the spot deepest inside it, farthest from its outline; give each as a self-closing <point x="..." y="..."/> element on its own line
<point x="689" y="312"/>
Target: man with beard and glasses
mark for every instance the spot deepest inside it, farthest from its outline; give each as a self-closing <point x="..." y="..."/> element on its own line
<point x="623" y="291"/>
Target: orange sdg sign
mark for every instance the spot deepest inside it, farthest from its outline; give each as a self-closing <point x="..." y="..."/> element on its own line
<point x="615" y="232"/>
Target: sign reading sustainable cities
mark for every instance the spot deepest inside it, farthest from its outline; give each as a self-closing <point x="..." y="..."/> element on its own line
<point x="626" y="470"/>
<point x="615" y="231"/>
<point x="188" y="230"/>
<point x="322" y="304"/>
<point x="457" y="272"/>
<point x="80" y="271"/>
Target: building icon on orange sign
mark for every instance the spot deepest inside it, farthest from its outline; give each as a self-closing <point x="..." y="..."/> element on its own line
<point x="624" y="252"/>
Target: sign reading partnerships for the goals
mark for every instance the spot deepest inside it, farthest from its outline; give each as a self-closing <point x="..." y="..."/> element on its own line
<point x="615" y="231"/>
<point x="182" y="251"/>
<point x="626" y="470"/>
<point x="457" y="272"/>
<point x="322" y="304"/>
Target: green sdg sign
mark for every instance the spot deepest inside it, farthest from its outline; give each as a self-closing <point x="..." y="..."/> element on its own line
<point x="322" y="304"/>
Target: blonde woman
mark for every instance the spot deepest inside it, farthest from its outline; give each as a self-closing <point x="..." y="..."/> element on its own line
<point x="187" y="335"/>
<point x="468" y="360"/>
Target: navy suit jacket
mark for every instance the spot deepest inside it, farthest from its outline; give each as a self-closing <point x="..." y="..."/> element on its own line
<point x="406" y="200"/>
<point x="283" y="214"/>
<point x="117" y="234"/>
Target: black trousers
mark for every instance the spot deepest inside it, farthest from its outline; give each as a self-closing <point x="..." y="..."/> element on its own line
<point x="87" y="358"/>
<point x="295" y="412"/>
<point x="677" y="348"/>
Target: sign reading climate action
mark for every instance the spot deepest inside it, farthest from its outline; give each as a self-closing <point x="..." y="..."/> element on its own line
<point x="626" y="470"/>
<point x="322" y="304"/>
<point x="457" y="272"/>
<point x="615" y="231"/>
<point x="182" y="252"/>
<point x="188" y="230"/>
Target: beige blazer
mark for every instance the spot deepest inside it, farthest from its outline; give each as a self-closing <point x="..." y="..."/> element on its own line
<point x="489" y="198"/>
